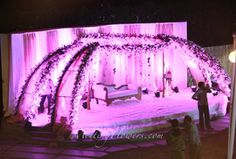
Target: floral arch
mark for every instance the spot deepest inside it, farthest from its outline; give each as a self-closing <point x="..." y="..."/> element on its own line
<point x="71" y="69"/>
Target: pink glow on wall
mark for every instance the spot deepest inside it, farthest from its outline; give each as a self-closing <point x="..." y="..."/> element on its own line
<point x="42" y="42"/>
<point x="65" y="37"/>
<point x="192" y="64"/>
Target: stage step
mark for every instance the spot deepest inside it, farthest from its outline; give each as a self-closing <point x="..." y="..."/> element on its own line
<point x="43" y="134"/>
<point x="43" y="137"/>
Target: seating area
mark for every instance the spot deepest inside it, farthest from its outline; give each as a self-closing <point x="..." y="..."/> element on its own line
<point x="109" y="93"/>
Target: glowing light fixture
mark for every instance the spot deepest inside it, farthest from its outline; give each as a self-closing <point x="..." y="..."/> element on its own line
<point x="232" y="56"/>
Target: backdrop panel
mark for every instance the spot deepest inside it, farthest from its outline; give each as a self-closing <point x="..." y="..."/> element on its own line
<point x="28" y="49"/>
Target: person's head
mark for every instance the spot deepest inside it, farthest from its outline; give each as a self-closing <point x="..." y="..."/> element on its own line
<point x="174" y="123"/>
<point x="201" y="84"/>
<point x="187" y="120"/>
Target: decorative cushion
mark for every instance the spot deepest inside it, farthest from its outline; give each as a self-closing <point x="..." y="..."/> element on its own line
<point x="110" y="89"/>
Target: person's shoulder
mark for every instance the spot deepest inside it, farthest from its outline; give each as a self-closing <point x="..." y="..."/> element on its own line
<point x="207" y="90"/>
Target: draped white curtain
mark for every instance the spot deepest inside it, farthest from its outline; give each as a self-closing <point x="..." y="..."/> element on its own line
<point x="137" y="68"/>
<point x="28" y="49"/>
<point x="143" y="69"/>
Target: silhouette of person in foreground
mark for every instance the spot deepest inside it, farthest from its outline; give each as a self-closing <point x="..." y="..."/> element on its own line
<point x="193" y="138"/>
<point x="175" y="139"/>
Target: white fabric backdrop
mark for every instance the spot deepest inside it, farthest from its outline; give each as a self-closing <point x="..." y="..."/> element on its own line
<point x="28" y="49"/>
<point x="143" y="69"/>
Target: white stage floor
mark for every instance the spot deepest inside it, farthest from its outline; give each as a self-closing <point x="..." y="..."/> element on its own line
<point x="133" y="116"/>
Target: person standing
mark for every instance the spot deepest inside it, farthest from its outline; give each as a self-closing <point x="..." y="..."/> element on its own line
<point x="48" y="91"/>
<point x="201" y="96"/>
<point x="175" y="139"/>
<point x="193" y="138"/>
<point x="168" y="83"/>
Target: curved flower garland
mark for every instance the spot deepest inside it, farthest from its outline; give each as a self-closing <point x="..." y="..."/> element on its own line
<point x="208" y="65"/>
<point x="77" y="89"/>
<point x="210" y="68"/>
<point x="53" y="59"/>
<point x="41" y="84"/>
<point x="54" y="98"/>
<point x="45" y="59"/>
<point x="140" y="48"/>
<point x="194" y="52"/>
<point x="217" y="72"/>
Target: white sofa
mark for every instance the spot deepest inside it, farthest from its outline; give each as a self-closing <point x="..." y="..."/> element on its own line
<point x="108" y="93"/>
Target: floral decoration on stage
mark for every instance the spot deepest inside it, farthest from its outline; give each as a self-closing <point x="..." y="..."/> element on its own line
<point x="51" y="61"/>
<point x="83" y="49"/>
<point x="79" y="86"/>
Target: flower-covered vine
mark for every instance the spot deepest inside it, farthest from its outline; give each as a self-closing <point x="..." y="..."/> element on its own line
<point x="78" y="89"/>
<point x="51" y="61"/>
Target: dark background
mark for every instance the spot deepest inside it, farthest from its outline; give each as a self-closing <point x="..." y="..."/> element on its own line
<point x="209" y="23"/>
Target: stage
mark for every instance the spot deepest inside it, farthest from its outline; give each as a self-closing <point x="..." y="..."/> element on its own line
<point x="149" y="114"/>
<point x="113" y="54"/>
<point x="132" y="116"/>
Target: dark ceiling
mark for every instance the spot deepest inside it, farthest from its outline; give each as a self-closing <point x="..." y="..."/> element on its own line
<point x="209" y="23"/>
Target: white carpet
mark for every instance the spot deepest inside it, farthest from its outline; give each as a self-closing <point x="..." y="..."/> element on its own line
<point x="127" y="115"/>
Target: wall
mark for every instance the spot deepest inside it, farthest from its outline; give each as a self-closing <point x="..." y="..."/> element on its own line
<point x="222" y="54"/>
